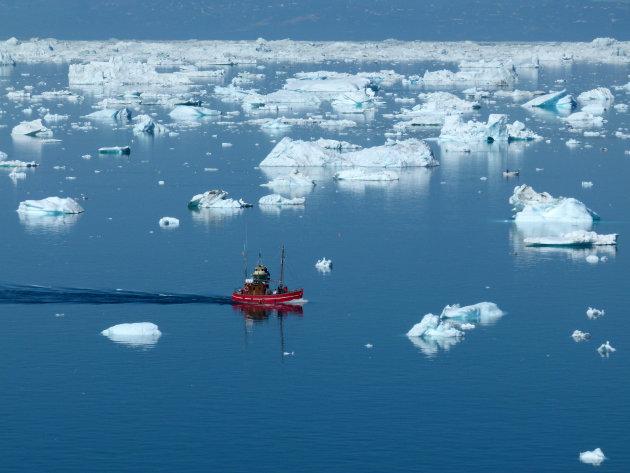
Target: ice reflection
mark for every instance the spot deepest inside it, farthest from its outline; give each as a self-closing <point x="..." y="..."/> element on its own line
<point x="278" y="209"/>
<point x="215" y="216"/>
<point x="48" y="223"/>
<point x="431" y="346"/>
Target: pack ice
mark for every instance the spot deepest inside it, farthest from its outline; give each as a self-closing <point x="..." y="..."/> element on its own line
<point x="135" y="334"/>
<point x="531" y="206"/>
<point x="298" y="153"/>
<point x="50" y="206"/>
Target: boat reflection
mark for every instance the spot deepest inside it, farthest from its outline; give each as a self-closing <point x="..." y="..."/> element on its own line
<point x="264" y="311"/>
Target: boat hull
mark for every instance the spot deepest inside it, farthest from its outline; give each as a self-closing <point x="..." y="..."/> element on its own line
<point x="267" y="299"/>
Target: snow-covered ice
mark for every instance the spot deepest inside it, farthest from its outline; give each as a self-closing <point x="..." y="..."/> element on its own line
<point x="50" y="206"/>
<point x="593" y="457"/>
<point x="16" y="163"/>
<point x="186" y="112"/>
<point x="216" y="198"/>
<point x="484" y="313"/>
<point x="553" y="101"/>
<point x="292" y="180"/>
<point x="135" y="334"/>
<point x="497" y="128"/>
<point x="110" y="114"/>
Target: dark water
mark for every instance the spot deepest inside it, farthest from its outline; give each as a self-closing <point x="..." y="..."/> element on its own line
<point x="484" y="20"/>
<point x="228" y="389"/>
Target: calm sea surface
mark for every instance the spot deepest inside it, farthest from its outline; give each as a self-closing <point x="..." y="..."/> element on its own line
<point x="230" y="390"/>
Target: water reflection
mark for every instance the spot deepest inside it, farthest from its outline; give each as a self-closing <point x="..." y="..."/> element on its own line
<point x="48" y="223"/>
<point x="259" y="312"/>
<point x="431" y="346"/>
<point x="215" y="216"/>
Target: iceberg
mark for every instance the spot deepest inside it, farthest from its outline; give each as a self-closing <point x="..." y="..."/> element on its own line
<point x="139" y="334"/>
<point x="361" y="174"/>
<point x="147" y="125"/>
<point x="280" y="100"/>
<point x="278" y="200"/>
<point x="32" y="128"/>
<point x="431" y="327"/>
<point x="324" y="265"/>
<point x="215" y="199"/>
<point x="298" y="153"/>
<point x="577" y="238"/>
<point x="593" y="457"/>
<point x="485" y="313"/>
<point x="50" y="206"/>
<point x="491" y="74"/>
<point x="291" y="180"/>
<point x="170" y="222"/>
<point x="114" y="150"/>
<point x="584" y="119"/>
<point x="531" y="206"/>
<point x="606" y="349"/>
<point x="553" y="100"/>
<point x="592" y="313"/>
<point x="601" y="96"/>
<point x="496" y="129"/>
<point x="15" y="163"/>
<point x="334" y="85"/>
<point x="187" y="112"/>
<point x="579" y="336"/>
<point x="110" y="114"/>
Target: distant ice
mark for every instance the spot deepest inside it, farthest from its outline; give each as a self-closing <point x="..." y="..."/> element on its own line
<point x="363" y="174"/>
<point x="33" y="128"/>
<point x="553" y="101"/>
<point x="215" y="199"/>
<point x="170" y="222"/>
<point x="495" y="129"/>
<point x="292" y="180"/>
<point x="592" y="259"/>
<point x="592" y="313"/>
<point x="606" y="349"/>
<point x="577" y="238"/>
<point x="185" y="112"/>
<point x="15" y="163"/>
<point x="145" y="124"/>
<point x="587" y="184"/>
<point x="594" y="457"/>
<point x="278" y="200"/>
<point x="50" y="206"/>
<point x="579" y="336"/>
<point x="140" y="334"/>
<point x="115" y="150"/>
<point x="110" y="114"/>
<point x="324" y="265"/>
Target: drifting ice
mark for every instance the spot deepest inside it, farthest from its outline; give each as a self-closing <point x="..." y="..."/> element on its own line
<point x="579" y="336"/>
<point x="16" y="164"/>
<point x="605" y="349"/>
<point x="32" y="128"/>
<point x="324" y="265"/>
<point x="594" y="457"/>
<point x="278" y="200"/>
<point x="483" y="312"/>
<point x="361" y="174"/>
<point x="135" y="334"/>
<point x="215" y="199"/>
<point x="554" y="100"/>
<point x="531" y="206"/>
<point x="432" y="327"/>
<point x="185" y="112"/>
<point x="578" y="238"/>
<point x="115" y="150"/>
<point x="496" y="129"/>
<point x="407" y="153"/>
<point x="50" y="206"/>
<point x="291" y="180"/>
<point x="147" y="125"/>
<point x="110" y="114"/>
<point x="592" y="313"/>
<point x="170" y="222"/>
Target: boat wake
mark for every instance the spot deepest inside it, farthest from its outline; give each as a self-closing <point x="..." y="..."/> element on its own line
<point x="10" y="294"/>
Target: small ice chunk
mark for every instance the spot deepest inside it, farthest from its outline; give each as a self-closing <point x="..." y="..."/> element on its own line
<point x="606" y="349"/>
<point x="147" y="125"/>
<point x="587" y="184"/>
<point x="134" y="334"/>
<point x="592" y="259"/>
<point x="186" y="112"/>
<point x="579" y="336"/>
<point x="593" y="457"/>
<point x="572" y="143"/>
<point x="577" y="238"/>
<point x="50" y="206"/>
<point x="467" y="326"/>
<point x="278" y="200"/>
<point x="369" y="345"/>
<point x="110" y="114"/>
<point x="482" y="312"/>
<point x="592" y="313"/>
<point x="170" y="222"/>
<point x="324" y="265"/>
<point x="16" y="164"/>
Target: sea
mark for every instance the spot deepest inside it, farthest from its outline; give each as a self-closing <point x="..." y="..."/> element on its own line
<point x="334" y="385"/>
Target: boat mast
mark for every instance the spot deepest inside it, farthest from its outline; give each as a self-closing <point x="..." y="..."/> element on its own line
<point x="282" y="266"/>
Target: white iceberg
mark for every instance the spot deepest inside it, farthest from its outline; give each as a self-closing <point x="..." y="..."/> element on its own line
<point x="484" y="313"/>
<point x="278" y="200"/>
<point x="50" y="206"/>
<point x="16" y="163"/>
<point x="407" y="153"/>
<point x="492" y="74"/>
<point x="170" y="222"/>
<point x="324" y="265"/>
<point x="326" y="86"/>
<point x="593" y="457"/>
<point x="580" y="336"/>
<point x="584" y="119"/>
<point x="433" y="328"/>
<point x="187" y="112"/>
<point x="606" y="349"/>
<point x="495" y="129"/>
<point x="363" y="174"/>
<point x="110" y="114"/>
<point x="291" y="180"/>
<point x="577" y="238"/>
<point x="354" y="102"/>
<point x="147" y="125"/>
<point x="531" y="206"/>
<point x="135" y="334"/>
<point x="553" y="100"/>
<point x="601" y="96"/>
<point x="587" y="184"/>
<point x="215" y="199"/>
<point x="280" y="100"/>
<point x="592" y="313"/>
<point x="32" y="128"/>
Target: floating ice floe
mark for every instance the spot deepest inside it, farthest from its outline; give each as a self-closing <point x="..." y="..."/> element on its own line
<point x="215" y="199"/>
<point x="531" y="206"/>
<point x="33" y="128"/>
<point x="577" y="238"/>
<point x="185" y="112"/>
<point x="354" y="102"/>
<point x="278" y="200"/>
<point x="496" y="129"/>
<point x="593" y="457"/>
<point x="579" y="336"/>
<point x="483" y="312"/>
<point x="338" y="83"/>
<point x="592" y="313"/>
<point x="436" y="106"/>
<point x="479" y="73"/>
<point x="584" y="119"/>
<point x="110" y="114"/>
<point x="170" y="222"/>
<point x="292" y="180"/>
<point x="606" y="349"/>
<point x="587" y="184"/>
<point x="50" y="206"/>
<point x="363" y="174"/>
<point x="600" y="96"/>
<point x="324" y="265"/>
<point x="147" y="125"/>
<point x="114" y="150"/>
<point x="407" y="153"/>
<point x="55" y="117"/>
<point x="140" y="334"/>
<point x="15" y="163"/>
<point x="593" y="259"/>
<point x="559" y="101"/>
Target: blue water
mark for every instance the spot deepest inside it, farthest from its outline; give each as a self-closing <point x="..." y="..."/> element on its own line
<point x="218" y="393"/>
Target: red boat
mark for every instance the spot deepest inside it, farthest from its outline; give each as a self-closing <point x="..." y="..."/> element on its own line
<point x="257" y="289"/>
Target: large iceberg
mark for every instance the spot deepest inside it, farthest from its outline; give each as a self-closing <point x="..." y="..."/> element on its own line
<point x="492" y="74"/>
<point x="531" y="206"/>
<point x="215" y="199"/>
<point x="354" y="102"/>
<point x="601" y="96"/>
<point x="325" y="86"/>
<point x="141" y="334"/>
<point x="50" y="206"/>
<point x="296" y="153"/>
<point x="32" y="128"/>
